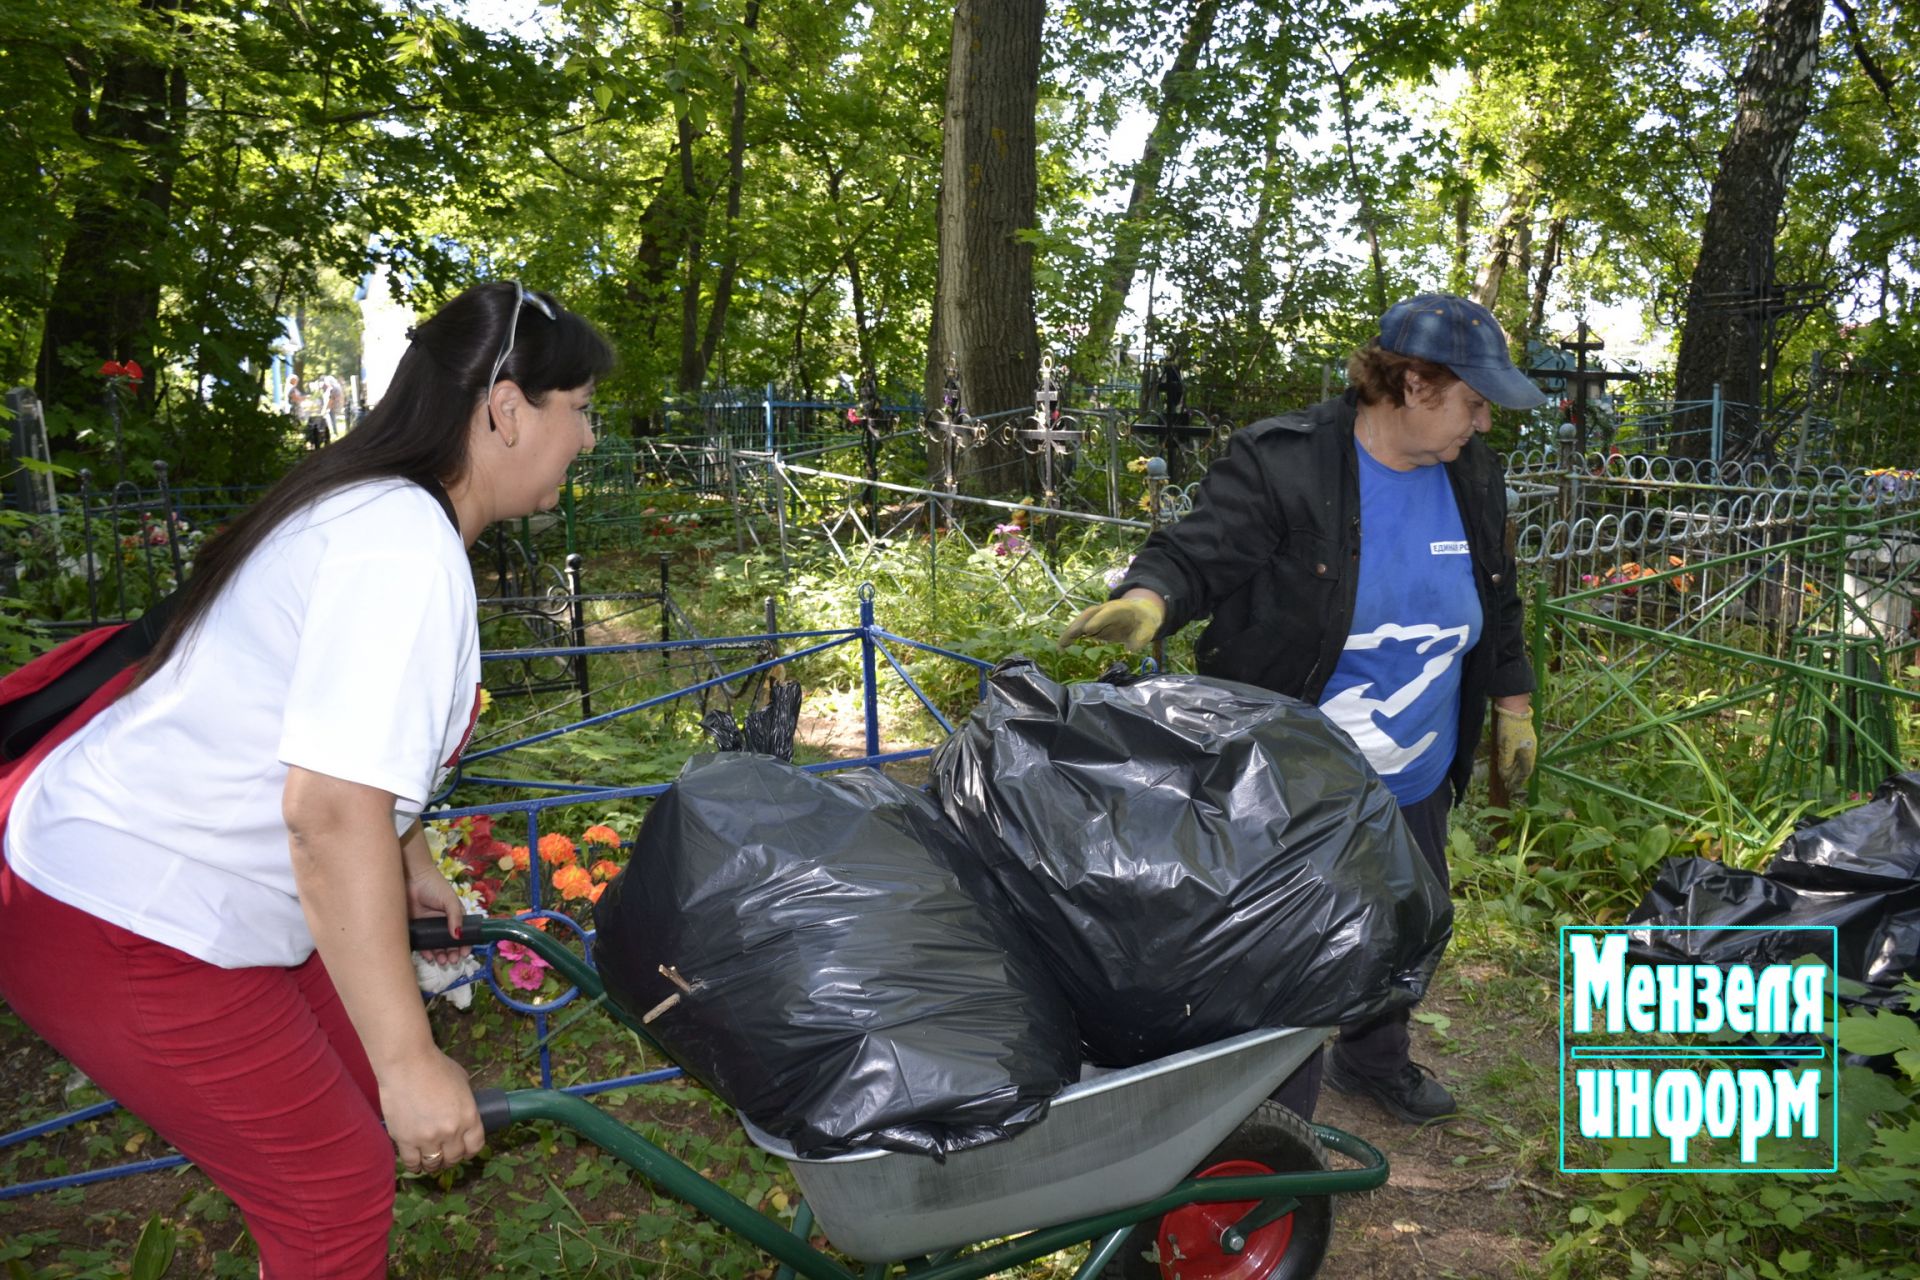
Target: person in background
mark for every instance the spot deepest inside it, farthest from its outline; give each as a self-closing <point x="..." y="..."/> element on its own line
<point x="333" y="400"/>
<point x="206" y="889"/>
<point x="1353" y="555"/>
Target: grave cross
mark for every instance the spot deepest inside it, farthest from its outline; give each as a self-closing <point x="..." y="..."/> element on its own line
<point x="1582" y="381"/>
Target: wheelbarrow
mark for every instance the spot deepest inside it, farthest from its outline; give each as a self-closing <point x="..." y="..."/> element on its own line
<point x="1178" y="1169"/>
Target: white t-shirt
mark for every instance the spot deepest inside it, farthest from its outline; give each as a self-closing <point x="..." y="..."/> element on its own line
<point x="347" y="644"/>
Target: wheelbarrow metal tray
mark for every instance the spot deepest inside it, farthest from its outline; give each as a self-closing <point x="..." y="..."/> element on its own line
<point x="1114" y="1139"/>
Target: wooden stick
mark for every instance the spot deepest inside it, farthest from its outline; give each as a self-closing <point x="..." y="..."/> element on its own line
<point x="672" y="975"/>
<point x="660" y="1008"/>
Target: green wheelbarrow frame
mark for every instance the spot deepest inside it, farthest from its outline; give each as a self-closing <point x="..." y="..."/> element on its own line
<point x="1274" y="1195"/>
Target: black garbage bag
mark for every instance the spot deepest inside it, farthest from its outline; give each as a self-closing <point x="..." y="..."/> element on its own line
<point x="850" y="982"/>
<point x="1878" y="931"/>
<point x="768" y="730"/>
<point x="1199" y="858"/>
<point x="1871" y="846"/>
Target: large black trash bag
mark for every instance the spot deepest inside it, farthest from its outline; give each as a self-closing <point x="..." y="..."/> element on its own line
<point x="1878" y="932"/>
<point x="850" y="988"/>
<point x="1198" y="857"/>
<point x="1872" y="846"/>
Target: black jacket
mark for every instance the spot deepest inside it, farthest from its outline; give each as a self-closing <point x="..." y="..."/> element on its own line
<point x="1272" y="550"/>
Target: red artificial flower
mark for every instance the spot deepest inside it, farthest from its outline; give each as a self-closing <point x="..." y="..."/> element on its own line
<point x="112" y="369"/>
<point x="133" y="371"/>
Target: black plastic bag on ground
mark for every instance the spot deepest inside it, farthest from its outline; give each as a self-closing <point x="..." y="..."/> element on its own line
<point x="1878" y="932"/>
<point x="767" y="730"/>
<point x="1872" y="846"/>
<point x="850" y="988"/>
<point x="1199" y="858"/>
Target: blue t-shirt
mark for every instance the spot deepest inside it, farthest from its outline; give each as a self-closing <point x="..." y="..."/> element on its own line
<point x="1396" y="690"/>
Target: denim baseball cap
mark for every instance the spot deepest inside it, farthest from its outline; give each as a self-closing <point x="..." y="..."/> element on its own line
<point x="1463" y="336"/>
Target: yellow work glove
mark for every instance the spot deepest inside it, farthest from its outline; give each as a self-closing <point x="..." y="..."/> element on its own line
<point x="1515" y="745"/>
<point x="1131" y="621"/>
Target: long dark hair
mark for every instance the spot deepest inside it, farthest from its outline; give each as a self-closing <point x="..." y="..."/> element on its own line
<point x="418" y="431"/>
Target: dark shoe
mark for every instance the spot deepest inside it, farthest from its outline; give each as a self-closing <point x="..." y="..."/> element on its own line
<point x="1412" y="1094"/>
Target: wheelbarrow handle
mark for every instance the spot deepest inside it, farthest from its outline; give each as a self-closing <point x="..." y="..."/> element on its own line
<point x="430" y="933"/>
<point x="496" y="1112"/>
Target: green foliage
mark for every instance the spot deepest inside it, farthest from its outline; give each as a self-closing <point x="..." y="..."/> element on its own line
<point x="1856" y="1223"/>
<point x="153" y="1253"/>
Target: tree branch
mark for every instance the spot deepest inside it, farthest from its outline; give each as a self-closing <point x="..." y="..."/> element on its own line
<point x="1858" y="42"/>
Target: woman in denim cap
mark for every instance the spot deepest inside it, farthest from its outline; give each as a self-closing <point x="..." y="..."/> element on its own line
<point x="1353" y="555"/>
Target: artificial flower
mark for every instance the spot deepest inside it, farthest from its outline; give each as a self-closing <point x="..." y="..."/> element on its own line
<point x="572" y="882"/>
<point x="600" y="834"/>
<point x="556" y="849"/>
<point x="605" y="869"/>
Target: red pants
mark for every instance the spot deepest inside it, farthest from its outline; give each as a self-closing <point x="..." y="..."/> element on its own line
<point x="255" y="1075"/>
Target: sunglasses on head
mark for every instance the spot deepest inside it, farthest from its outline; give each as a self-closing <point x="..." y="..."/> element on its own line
<point x="521" y="298"/>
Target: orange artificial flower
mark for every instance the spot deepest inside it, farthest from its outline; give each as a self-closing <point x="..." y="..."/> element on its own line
<point x="556" y="849"/>
<point x="605" y="869"/>
<point x="593" y="894"/>
<point x="600" y="835"/>
<point x="522" y="857"/>
<point x="572" y="882"/>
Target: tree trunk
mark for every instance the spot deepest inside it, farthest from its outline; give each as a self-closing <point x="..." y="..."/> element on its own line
<point x="1503" y="250"/>
<point x="862" y="335"/>
<point x="987" y="194"/>
<point x="1549" y="259"/>
<point x="1116" y="280"/>
<point x="1457" y="280"/>
<point x="106" y="297"/>
<point x="736" y="166"/>
<point x="1256" y="285"/>
<point x="1368" y="223"/>
<point x="688" y="379"/>
<point x="1724" y="328"/>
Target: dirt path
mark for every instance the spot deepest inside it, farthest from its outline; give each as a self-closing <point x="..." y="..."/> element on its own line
<point x="1475" y="1197"/>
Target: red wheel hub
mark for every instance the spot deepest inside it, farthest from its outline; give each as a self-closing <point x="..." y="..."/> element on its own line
<point x="1189" y="1237"/>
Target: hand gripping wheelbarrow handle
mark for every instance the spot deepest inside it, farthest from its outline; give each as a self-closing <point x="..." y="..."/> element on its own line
<point x="430" y="933"/>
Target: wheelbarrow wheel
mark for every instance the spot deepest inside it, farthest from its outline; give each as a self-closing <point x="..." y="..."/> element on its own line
<point x="1185" y="1244"/>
